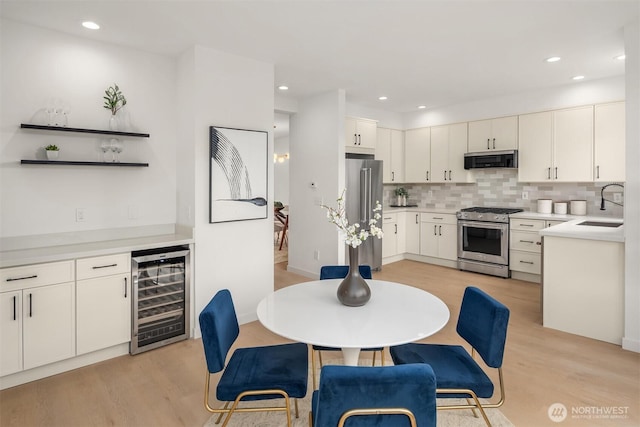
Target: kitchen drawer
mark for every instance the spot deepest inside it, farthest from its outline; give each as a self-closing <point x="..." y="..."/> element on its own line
<point x="88" y="268"/>
<point x="526" y="262"/>
<point x="389" y="218"/>
<point x="525" y="241"/>
<point x="29" y="276"/>
<point x="527" y="224"/>
<point x="438" y="218"/>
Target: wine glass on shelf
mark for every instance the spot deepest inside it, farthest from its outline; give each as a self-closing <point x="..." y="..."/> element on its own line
<point x="116" y="147"/>
<point x="105" y="146"/>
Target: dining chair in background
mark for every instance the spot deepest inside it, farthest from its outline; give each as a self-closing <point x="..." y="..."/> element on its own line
<point x="483" y="324"/>
<point x="389" y="396"/>
<point x="340" y="272"/>
<point x="255" y="373"/>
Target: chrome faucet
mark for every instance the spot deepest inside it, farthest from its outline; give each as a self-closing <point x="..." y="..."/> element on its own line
<point x="602" y="199"/>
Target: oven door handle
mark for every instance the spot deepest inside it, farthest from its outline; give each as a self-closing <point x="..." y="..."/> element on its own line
<point x="503" y="226"/>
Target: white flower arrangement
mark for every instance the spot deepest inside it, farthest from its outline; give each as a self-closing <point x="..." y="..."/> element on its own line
<point x="354" y="236"/>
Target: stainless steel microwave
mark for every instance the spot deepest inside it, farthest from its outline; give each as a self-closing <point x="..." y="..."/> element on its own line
<point x="493" y="159"/>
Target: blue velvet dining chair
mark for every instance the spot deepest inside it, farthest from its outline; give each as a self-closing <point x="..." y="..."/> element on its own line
<point x="387" y="396"/>
<point x="255" y="373"/>
<point x="483" y="324"/>
<point x="340" y="272"/>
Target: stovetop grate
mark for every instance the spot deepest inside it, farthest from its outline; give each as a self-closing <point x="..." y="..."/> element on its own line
<point x="493" y="210"/>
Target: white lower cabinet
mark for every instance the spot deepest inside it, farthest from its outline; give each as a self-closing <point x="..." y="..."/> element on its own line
<point x="438" y="236"/>
<point x="11" y="332"/>
<point x="48" y="324"/>
<point x="104" y="302"/>
<point x="390" y="230"/>
<point x="412" y="233"/>
<point x="526" y="243"/>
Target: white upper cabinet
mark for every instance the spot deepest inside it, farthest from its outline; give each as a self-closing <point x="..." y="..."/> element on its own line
<point x="609" y="142"/>
<point x="556" y="146"/>
<point x="417" y="149"/>
<point x="448" y="145"/>
<point x="360" y="135"/>
<point x="390" y="149"/>
<point x="493" y="134"/>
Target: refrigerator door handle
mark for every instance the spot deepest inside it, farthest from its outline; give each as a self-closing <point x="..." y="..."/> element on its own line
<point x="365" y="197"/>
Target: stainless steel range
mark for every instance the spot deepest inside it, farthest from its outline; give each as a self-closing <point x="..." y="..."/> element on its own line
<point x="483" y="240"/>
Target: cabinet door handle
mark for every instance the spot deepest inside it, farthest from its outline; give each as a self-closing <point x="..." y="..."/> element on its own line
<point x="548" y="173"/>
<point x="526" y="241"/>
<point x="556" y="168"/>
<point x="13" y="279"/>
<point x="488" y="147"/>
<point x="355" y="139"/>
<point x="439" y="230"/>
<point x="598" y="172"/>
<point x="539" y="243"/>
<point x="445" y="175"/>
<point x="417" y="218"/>
<point x="427" y="175"/>
<point x="494" y="143"/>
<point x="449" y="175"/>
<point x="525" y="225"/>
<point x="15" y="299"/>
<point x="434" y="230"/>
<point x="526" y="262"/>
<point x="437" y="217"/>
<point x="396" y="225"/>
<point x="393" y="176"/>
<point x="30" y="305"/>
<point x="95" y="267"/>
<point x="359" y="139"/>
<point x="125" y="287"/>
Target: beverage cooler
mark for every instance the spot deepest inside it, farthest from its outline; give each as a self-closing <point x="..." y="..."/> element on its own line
<point x="161" y="286"/>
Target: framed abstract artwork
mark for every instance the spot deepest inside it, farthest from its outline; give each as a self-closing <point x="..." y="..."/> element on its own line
<point x="237" y="174"/>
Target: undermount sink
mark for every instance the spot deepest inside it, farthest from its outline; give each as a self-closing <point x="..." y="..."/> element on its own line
<point x="601" y="223"/>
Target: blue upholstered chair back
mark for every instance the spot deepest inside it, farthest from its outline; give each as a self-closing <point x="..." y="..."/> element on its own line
<point x="341" y="271"/>
<point x="411" y="386"/>
<point x="219" y="327"/>
<point x="483" y="324"/>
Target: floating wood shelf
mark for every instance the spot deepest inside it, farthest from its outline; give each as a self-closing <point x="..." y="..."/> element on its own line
<point x="82" y="130"/>
<point x="81" y="163"/>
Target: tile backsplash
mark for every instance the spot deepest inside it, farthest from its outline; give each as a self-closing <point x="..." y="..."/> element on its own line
<point x="500" y="187"/>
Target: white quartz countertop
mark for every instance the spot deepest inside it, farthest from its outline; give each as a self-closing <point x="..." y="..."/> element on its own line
<point x="572" y="229"/>
<point x="418" y="209"/>
<point x="88" y="249"/>
<point x="546" y="216"/>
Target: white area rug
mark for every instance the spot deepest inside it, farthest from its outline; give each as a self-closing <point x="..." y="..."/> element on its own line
<point x="448" y="418"/>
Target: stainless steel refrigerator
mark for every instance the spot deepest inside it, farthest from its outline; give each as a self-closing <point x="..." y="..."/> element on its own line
<point x="363" y="177"/>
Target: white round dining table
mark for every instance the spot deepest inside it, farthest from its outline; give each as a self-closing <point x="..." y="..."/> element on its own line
<point x="310" y="312"/>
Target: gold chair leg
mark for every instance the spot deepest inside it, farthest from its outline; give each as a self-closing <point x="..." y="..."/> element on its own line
<point x="320" y="357"/>
<point x="382" y="356"/>
<point x="296" y="403"/>
<point x="226" y="405"/>
<point x="374" y="359"/>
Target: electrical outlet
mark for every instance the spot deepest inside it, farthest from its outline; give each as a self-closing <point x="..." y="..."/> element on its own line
<point x="80" y="215"/>
<point x="525" y="195"/>
<point x="617" y="197"/>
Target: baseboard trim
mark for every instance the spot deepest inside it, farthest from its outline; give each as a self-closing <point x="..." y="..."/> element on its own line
<point x="631" y="344"/>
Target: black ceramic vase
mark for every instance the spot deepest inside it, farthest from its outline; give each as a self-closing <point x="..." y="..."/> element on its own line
<point x="353" y="291"/>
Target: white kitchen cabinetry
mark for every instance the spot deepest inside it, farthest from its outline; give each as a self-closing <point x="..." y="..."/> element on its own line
<point x="412" y="227"/>
<point x="525" y="245"/>
<point x="103" y="302"/>
<point x="390" y="239"/>
<point x="438" y="236"/>
<point x="390" y="149"/>
<point x="38" y="315"/>
<point x="448" y="145"/>
<point x="494" y="134"/>
<point x="417" y="155"/>
<point x="556" y="146"/>
<point x="360" y="135"/>
<point x="609" y="142"/>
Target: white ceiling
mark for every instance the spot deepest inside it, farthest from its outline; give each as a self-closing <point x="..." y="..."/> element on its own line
<point x="432" y="53"/>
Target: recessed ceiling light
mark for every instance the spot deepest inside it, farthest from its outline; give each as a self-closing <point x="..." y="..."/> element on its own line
<point x="621" y="57"/>
<point x="283" y="87"/>
<point x="91" y="25"/>
<point x="578" y="78"/>
<point x="422" y="107"/>
<point x="553" y="59"/>
<point x="382" y="98"/>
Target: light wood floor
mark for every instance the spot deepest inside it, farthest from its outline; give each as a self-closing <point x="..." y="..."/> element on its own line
<point x="164" y="387"/>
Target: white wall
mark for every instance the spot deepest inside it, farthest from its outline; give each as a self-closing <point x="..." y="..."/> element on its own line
<point x="281" y="172"/>
<point x="582" y="93"/>
<point x="631" y="339"/>
<point x="228" y="91"/>
<point x="316" y="143"/>
<point x="386" y="119"/>
<point x="38" y="65"/>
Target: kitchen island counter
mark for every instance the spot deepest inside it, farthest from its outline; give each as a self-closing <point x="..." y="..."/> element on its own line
<point x="573" y="229"/>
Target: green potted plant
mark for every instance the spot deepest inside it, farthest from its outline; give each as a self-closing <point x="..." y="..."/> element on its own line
<point x="401" y="196"/>
<point x="114" y="100"/>
<point x="52" y="151"/>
